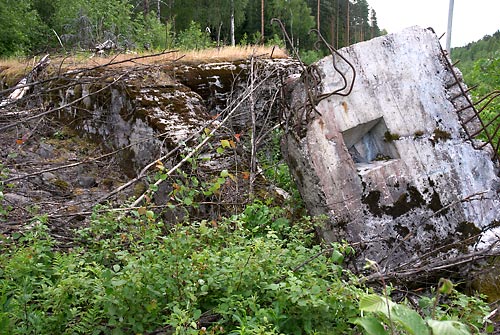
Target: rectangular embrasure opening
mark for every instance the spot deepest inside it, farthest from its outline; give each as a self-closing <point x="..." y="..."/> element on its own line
<point x="368" y="142"/>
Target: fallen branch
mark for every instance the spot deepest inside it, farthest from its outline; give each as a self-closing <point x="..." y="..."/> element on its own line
<point x="90" y="69"/>
<point x="388" y="256"/>
<point x="436" y="266"/>
<point x="91" y="160"/>
<point x="23" y="86"/>
<point x="50" y="111"/>
<point x="210" y="135"/>
<point x="142" y="173"/>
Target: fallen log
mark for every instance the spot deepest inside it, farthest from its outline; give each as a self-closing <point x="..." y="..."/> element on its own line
<point x="23" y="86"/>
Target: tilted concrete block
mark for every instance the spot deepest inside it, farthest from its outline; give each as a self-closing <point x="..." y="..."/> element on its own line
<point x="390" y="164"/>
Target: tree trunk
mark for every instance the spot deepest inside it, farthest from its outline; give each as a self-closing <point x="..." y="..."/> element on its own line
<point x="347" y="26"/>
<point x="332" y="32"/>
<point x="218" y="35"/>
<point x="262" y="21"/>
<point x="233" y="42"/>
<point x="337" y="24"/>
<point x="317" y="16"/>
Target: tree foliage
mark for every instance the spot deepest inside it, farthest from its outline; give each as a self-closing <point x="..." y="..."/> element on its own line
<point x="487" y="47"/>
<point x="21" y="27"/>
<point x="480" y="65"/>
<point x="31" y="26"/>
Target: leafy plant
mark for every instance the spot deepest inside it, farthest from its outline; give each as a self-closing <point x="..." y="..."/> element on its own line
<point x="193" y="38"/>
<point x="130" y="276"/>
<point x="386" y="317"/>
<point x="4" y="207"/>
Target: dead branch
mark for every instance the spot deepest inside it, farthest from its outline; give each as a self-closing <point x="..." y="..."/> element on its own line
<point x="231" y="109"/>
<point x="142" y="173"/>
<point x="50" y="111"/>
<point x="22" y="87"/>
<point x="90" y="69"/>
<point x="437" y="265"/>
<point x="101" y="157"/>
<point x="386" y="258"/>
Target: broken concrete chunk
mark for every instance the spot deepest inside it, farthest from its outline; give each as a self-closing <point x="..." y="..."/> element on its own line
<point x="390" y="163"/>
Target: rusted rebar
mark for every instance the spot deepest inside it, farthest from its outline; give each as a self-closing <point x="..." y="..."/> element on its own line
<point x="311" y="79"/>
<point x="470" y="105"/>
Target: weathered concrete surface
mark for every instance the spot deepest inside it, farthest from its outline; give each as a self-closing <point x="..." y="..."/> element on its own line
<point x="220" y="84"/>
<point x="140" y="113"/>
<point x="174" y="102"/>
<point x="144" y="112"/>
<point x="390" y="163"/>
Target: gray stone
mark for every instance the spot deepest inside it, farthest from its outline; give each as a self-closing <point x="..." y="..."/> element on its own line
<point x="45" y="150"/>
<point x="390" y="163"/>
<point x="86" y="181"/>
<point x="17" y="199"/>
<point x="48" y="176"/>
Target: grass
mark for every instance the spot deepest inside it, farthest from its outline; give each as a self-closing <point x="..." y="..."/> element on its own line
<point x="13" y="69"/>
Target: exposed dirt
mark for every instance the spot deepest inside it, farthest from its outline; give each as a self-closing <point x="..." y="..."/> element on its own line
<point x="54" y="143"/>
<point x="49" y="174"/>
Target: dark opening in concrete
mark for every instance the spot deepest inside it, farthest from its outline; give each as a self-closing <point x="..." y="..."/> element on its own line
<point x="367" y="142"/>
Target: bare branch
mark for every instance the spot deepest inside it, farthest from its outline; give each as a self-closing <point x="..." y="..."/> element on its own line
<point x="11" y="125"/>
<point x="232" y="110"/>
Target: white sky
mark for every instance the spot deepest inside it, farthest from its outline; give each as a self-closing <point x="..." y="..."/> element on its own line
<point x="472" y="19"/>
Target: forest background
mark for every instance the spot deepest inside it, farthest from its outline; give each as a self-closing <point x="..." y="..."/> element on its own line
<point x="37" y="26"/>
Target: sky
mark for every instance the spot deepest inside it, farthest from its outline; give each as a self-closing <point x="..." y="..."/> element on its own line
<point x="472" y="19"/>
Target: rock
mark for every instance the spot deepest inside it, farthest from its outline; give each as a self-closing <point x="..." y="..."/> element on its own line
<point x="133" y="115"/>
<point x="175" y="105"/>
<point x="87" y="181"/>
<point x="17" y="199"/>
<point x="487" y="282"/>
<point x="48" y="176"/>
<point x="45" y="150"/>
<point x="221" y="83"/>
<point x="390" y="163"/>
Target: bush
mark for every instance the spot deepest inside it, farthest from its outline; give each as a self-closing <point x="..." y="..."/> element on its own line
<point x="132" y="275"/>
<point x="150" y="33"/>
<point x="193" y="38"/>
<point x="311" y="56"/>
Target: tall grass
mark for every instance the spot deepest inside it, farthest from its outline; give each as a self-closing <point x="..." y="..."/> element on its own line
<point x="13" y="68"/>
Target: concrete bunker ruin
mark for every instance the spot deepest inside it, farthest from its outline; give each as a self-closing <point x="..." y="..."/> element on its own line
<point x="370" y="142"/>
<point x="390" y="163"/>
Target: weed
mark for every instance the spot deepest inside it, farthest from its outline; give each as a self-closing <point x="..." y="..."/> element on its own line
<point x="418" y="134"/>
<point x="390" y="137"/>
<point x="383" y="316"/>
<point x="441" y="135"/>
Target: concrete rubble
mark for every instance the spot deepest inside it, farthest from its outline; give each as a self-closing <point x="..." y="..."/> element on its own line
<point x="390" y="163"/>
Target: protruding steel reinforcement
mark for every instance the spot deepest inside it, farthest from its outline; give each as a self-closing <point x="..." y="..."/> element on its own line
<point x="312" y="79"/>
<point x="485" y="128"/>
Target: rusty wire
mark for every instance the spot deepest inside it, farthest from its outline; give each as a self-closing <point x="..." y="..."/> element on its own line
<point x="346" y="84"/>
<point x="484" y="127"/>
<point x="308" y="77"/>
<point x="311" y="78"/>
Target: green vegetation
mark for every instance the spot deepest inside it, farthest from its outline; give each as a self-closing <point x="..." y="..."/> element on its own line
<point x="486" y="48"/>
<point x="260" y="271"/>
<point x="257" y="272"/>
<point x="480" y="65"/>
<point x="389" y="137"/>
<point x="134" y="274"/>
<point x="56" y="26"/>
